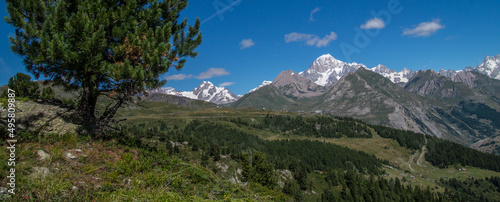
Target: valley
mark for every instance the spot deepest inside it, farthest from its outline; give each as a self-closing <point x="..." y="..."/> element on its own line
<point x="160" y="123"/>
<point x="232" y="100"/>
<point x="402" y="163"/>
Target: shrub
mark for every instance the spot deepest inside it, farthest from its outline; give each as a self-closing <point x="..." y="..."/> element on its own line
<point x="23" y="87"/>
<point x="47" y="93"/>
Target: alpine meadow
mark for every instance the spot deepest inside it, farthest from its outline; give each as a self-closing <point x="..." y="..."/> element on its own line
<point x="237" y="100"/>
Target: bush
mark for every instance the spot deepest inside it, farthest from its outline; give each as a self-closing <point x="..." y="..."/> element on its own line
<point x="47" y="93"/>
<point x="23" y="87"/>
<point x="69" y="102"/>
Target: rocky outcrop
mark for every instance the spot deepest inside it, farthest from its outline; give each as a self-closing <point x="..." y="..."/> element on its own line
<point x="43" y="118"/>
<point x="466" y="77"/>
<point x="293" y="85"/>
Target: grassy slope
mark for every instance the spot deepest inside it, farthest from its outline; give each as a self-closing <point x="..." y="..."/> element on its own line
<point x="108" y="171"/>
<point x="266" y="97"/>
<point x="423" y="173"/>
<point x="98" y="165"/>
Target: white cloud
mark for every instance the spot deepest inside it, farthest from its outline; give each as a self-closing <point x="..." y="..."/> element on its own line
<point x="294" y="36"/>
<point x="246" y="43"/>
<point x="212" y="72"/>
<point x="374" y="23"/>
<point x="311" y="17"/>
<point x="178" y="77"/>
<point x="226" y="84"/>
<point x="311" y="39"/>
<point x="424" y="29"/>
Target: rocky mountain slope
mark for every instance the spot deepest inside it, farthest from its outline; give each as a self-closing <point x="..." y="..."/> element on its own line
<point x="267" y="97"/>
<point x="396" y="77"/>
<point x="296" y="86"/>
<point x="462" y="106"/>
<point x="326" y="70"/>
<point x="431" y="84"/>
<point x="479" y="82"/>
<point x="375" y="99"/>
<point x="264" y="83"/>
<point x="489" y="67"/>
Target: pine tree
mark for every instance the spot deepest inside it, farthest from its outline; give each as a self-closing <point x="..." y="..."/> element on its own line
<point x="256" y="168"/>
<point x="47" y="93"/>
<point x="113" y="48"/>
<point x="23" y="87"/>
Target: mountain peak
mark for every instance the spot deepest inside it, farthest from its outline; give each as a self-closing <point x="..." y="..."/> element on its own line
<point x="496" y="57"/>
<point x="206" y="91"/>
<point x="326" y="57"/>
<point x="286" y="76"/>
<point x="490" y="66"/>
<point x="447" y="73"/>
<point x="264" y="83"/>
<point x="326" y="70"/>
<point x="294" y="85"/>
<point x="396" y="77"/>
<point x="382" y="69"/>
<point x="207" y="83"/>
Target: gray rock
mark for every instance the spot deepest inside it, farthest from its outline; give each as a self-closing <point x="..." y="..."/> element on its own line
<point x="43" y="155"/>
<point x="126" y="181"/>
<point x="40" y="172"/>
<point x="70" y="156"/>
<point x="3" y="190"/>
<point x="294" y="85"/>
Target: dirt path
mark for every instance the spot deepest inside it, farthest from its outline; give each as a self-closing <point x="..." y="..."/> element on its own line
<point x="422" y="154"/>
<point x="273" y="137"/>
<point x="410" y="161"/>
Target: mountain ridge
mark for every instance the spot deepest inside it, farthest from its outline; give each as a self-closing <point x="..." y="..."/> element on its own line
<point x="430" y="103"/>
<point x="206" y="91"/>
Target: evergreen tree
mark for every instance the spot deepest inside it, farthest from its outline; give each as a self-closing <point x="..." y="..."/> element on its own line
<point x="293" y="189"/>
<point x="23" y="87"/>
<point x="112" y="48"/>
<point x="204" y="159"/>
<point x="47" y="93"/>
<point x="257" y="169"/>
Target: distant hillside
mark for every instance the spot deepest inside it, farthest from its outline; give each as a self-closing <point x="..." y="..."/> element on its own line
<point x="430" y="104"/>
<point x="176" y="100"/>
<point x="267" y="97"/>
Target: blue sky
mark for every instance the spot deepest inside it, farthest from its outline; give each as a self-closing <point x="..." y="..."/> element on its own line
<point x="248" y="41"/>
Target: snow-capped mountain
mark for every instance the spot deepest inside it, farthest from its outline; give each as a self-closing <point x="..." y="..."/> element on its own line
<point x="211" y="93"/>
<point x="326" y="70"/>
<point x="382" y="69"/>
<point x="264" y="83"/>
<point x="168" y="91"/>
<point x="396" y="77"/>
<point x="447" y="73"/>
<point x="206" y="91"/>
<point x="490" y="66"/>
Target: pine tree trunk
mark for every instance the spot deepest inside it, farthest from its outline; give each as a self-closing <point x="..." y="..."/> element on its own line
<point x="86" y="108"/>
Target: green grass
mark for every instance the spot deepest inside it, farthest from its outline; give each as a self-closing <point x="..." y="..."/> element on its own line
<point x="108" y="171"/>
<point x="102" y="166"/>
